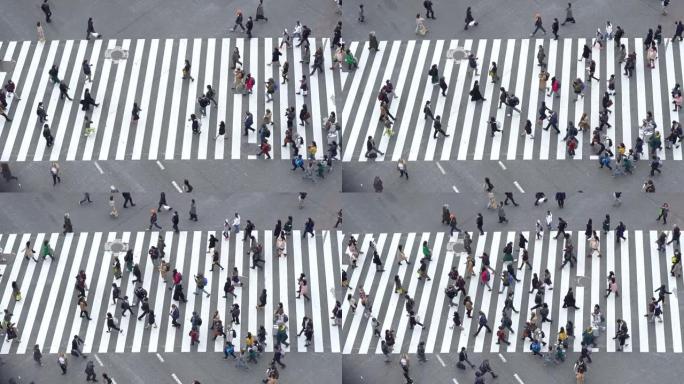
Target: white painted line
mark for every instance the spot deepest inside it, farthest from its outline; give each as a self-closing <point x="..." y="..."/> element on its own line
<point x="113" y="381"/>
<point x="454" y="380"/>
<point x="160" y="165"/>
<point x="176" y="378"/>
<point x="160" y="357"/>
<point x="141" y="125"/>
<point x="455" y="189"/>
<point x="164" y="81"/>
<point x="98" y="360"/>
<point x="440" y="360"/>
<point x="440" y="168"/>
<point x="501" y="164"/>
<point x="518" y="378"/>
<point x="427" y="93"/>
<point x="175" y="185"/>
<point x="389" y="260"/>
<point x="174" y="112"/>
<point x="502" y="357"/>
<point x="517" y="185"/>
<point x="125" y="124"/>
<point x="98" y="168"/>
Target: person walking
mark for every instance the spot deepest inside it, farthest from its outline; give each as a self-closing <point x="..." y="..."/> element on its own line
<point x="45" y="7"/>
<point x="402" y="168"/>
<point x="538" y="25"/>
<point x="90" y="371"/>
<point x="112" y="323"/>
<point x="40" y="32"/>
<point x="90" y="32"/>
<point x="568" y="15"/>
<point x="37" y="355"/>
<point x="482" y="323"/>
<point x="185" y="71"/>
<point x="127" y="199"/>
<point x="83" y="306"/>
<point x="469" y="20"/>
<point x="62" y="362"/>
<point x="663" y="211"/>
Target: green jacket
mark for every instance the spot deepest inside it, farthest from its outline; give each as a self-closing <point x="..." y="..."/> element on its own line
<point x="45" y="250"/>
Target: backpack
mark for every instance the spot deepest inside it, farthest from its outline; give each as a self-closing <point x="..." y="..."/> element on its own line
<point x="535" y="347"/>
<point x="267" y="132"/>
<point x="199" y="320"/>
<point x="515" y="101"/>
<point x="205" y="281"/>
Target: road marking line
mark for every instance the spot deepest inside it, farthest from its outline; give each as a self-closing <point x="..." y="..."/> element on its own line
<point x="176" y="378"/>
<point x="440" y="360"/>
<point x="160" y="357"/>
<point x="440" y="168"/>
<point x="517" y="185"/>
<point x="518" y="378"/>
<point x="113" y="381"/>
<point x="455" y="189"/>
<point x="160" y="165"/>
<point x="175" y="185"/>
<point x="454" y="380"/>
<point x="502" y="358"/>
<point x="501" y="164"/>
<point x="98" y="360"/>
<point x="98" y="168"/>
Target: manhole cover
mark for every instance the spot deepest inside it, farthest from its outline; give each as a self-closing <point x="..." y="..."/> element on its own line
<point x="116" y="54"/>
<point x="457" y="54"/>
<point x="116" y="246"/>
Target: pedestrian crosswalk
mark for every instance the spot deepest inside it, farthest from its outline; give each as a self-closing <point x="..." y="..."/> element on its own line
<point x="638" y="265"/>
<point x="406" y="65"/>
<point x="148" y="72"/>
<point x="126" y="71"/>
<point x="48" y="313"/>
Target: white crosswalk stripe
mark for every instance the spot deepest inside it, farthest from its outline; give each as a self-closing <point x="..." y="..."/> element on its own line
<point x="466" y="121"/>
<point x="48" y="313"/>
<point x="150" y="75"/>
<point x="586" y="277"/>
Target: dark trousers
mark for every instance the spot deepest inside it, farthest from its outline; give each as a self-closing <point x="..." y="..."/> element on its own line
<point x="429" y="13"/>
<point x="483" y="326"/>
<point x="128" y="199"/>
<point x="537" y="28"/>
<point x="123" y="312"/>
<point x="511" y="199"/>
<point x="86" y="199"/>
<point x="142" y="315"/>
<point x="87" y="315"/>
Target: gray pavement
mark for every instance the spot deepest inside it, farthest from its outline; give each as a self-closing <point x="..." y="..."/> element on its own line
<point x="607" y="368"/>
<point x="391" y="19"/>
<point x="405" y="205"/>
<point x="148" y="368"/>
<point x="255" y="189"/>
